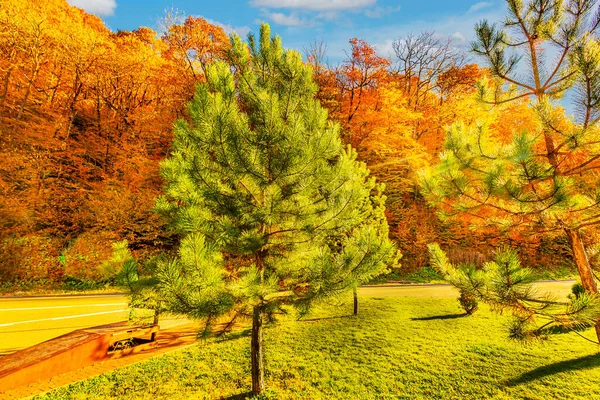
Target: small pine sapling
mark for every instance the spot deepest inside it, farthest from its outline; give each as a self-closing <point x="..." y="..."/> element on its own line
<point x="465" y="277"/>
<point x="505" y="285"/>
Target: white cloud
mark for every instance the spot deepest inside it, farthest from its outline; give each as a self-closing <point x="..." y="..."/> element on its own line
<point x="286" y="20"/>
<point x="479" y="6"/>
<point x="98" y="7"/>
<point x="379" y="12"/>
<point x="459" y="36"/>
<point x="381" y="37"/>
<point x="385" y="48"/>
<point x="242" y="31"/>
<point x="314" y="5"/>
<point x="328" y="15"/>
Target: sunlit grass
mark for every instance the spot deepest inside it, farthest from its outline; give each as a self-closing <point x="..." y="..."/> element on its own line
<point x="398" y="347"/>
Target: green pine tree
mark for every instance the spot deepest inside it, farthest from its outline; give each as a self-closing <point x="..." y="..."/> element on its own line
<point x="271" y="207"/>
<point x="546" y="180"/>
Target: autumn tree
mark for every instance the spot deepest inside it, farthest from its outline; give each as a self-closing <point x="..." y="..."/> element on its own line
<point x="372" y="110"/>
<point x="421" y="63"/>
<point x="359" y="77"/>
<point x="421" y="60"/>
<point x="86" y="115"/>
<point x="260" y="175"/>
<point x="192" y="44"/>
<point x="382" y="127"/>
<point x="325" y="76"/>
<point x="544" y="178"/>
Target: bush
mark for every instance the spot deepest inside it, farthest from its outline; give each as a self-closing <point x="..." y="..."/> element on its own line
<point x="465" y="277"/>
<point x="577" y="290"/>
<point x="30" y="259"/>
<point x="84" y="258"/>
<point x="73" y="283"/>
<point x="468" y="302"/>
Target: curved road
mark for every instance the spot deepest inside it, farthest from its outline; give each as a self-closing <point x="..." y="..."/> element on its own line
<point x="25" y="321"/>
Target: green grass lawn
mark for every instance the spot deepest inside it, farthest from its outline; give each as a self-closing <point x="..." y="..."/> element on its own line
<point x="398" y="347"/>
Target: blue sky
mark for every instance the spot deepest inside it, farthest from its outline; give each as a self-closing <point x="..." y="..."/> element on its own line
<point x="299" y="22"/>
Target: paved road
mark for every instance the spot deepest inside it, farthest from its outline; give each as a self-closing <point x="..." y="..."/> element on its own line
<point x="29" y="320"/>
<point x="25" y="321"/>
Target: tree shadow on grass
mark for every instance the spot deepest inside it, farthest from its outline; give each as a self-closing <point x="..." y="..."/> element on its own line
<point x="576" y="364"/>
<point x="325" y="318"/>
<point x="447" y="316"/>
<point x="239" y="396"/>
<point x="234" y="335"/>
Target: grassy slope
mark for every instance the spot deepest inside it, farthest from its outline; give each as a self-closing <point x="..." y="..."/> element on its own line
<point x="399" y="347"/>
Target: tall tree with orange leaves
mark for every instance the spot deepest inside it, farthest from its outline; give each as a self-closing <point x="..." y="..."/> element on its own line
<point x="359" y="78"/>
<point x="372" y="110"/>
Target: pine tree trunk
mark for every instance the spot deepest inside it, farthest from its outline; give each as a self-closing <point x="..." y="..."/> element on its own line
<point x="256" y="353"/>
<point x="583" y="266"/>
<point x="355" y="292"/>
<point x="156" y="315"/>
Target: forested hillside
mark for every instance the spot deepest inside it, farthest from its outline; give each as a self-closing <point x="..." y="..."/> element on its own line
<point x="87" y="114"/>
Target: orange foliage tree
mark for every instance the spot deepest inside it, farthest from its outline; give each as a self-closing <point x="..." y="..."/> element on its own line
<point x="396" y="116"/>
<point x="85" y="116"/>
